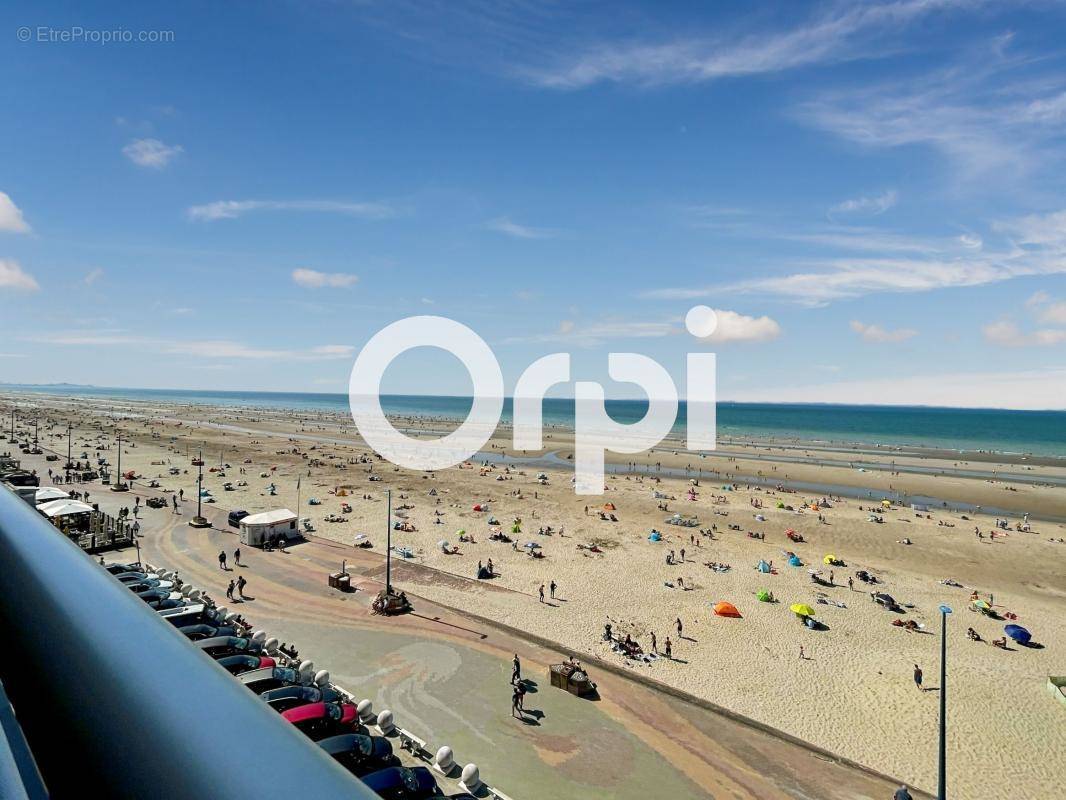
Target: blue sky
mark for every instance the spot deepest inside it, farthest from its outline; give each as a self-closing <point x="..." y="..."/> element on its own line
<point x="870" y="194"/>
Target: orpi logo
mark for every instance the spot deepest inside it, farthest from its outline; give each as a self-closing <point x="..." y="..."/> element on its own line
<point x="595" y="433"/>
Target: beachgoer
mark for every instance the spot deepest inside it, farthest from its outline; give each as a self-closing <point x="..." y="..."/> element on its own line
<point x="237" y="556"/>
<point x="902" y="794"/>
<point x="229" y="590"/>
<point x="552" y="587"/>
<point x="668" y="648"/>
<point x="541" y="592"/>
<point x="241" y="583"/>
<point x="222" y="560"/>
<point x="516" y="669"/>
<point x="918" y="677"/>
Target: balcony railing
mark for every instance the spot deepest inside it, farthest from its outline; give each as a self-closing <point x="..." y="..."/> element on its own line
<point x="113" y="702"/>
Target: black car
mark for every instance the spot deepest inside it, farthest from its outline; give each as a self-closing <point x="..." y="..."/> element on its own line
<point x="235" y="518"/>
<point x="286" y="697"/>
<point x="266" y="679"/>
<point x="402" y="783"/>
<point x="360" y="754"/>
<point x="243" y="662"/>
<point x="20" y="478"/>
<point x="217" y="646"/>
<point x="204" y="631"/>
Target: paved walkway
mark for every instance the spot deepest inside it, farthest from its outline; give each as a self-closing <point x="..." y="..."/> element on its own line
<point x="445" y="675"/>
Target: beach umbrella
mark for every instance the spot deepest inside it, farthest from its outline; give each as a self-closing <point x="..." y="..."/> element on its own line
<point x="442" y="543"/>
<point x="790" y="532"/>
<point x="531" y="545"/>
<point x="795" y="562"/>
<point x="801" y="610"/>
<point x="1017" y="633"/>
<point x="829" y="559"/>
<point x="763" y="596"/>
<point x="460" y="532"/>
<point x="724" y="609"/>
<point x="981" y="604"/>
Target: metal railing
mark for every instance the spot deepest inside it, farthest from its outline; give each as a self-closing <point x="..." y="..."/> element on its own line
<point x="114" y="701"/>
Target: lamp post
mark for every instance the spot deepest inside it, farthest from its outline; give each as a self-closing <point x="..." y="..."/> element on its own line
<point x="388" y="547"/>
<point x="12" y="439"/>
<point x="941" y="791"/>
<point x="70" y="460"/>
<point x="118" y="485"/>
<point x="200" y="521"/>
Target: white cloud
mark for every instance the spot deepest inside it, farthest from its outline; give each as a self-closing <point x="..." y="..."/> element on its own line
<point x="510" y="228"/>
<point x="92" y="276"/>
<point x="313" y="279"/>
<point x="879" y="335"/>
<point x="845" y="33"/>
<point x="231" y="209"/>
<point x="1053" y="314"/>
<point x="1037" y="298"/>
<point x="151" y="153"/>
<point x="12" y="276"/>
<point x="734" y="327"/>
<point x="11" y="219"/>
<point x="872" y="206"/>
<point x="1035" y="389"/>
<point x="1008" y="334"/>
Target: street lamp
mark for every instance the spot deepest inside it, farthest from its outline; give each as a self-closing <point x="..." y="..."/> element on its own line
<point x="118" y="485"/>
<point x="941" y="791"/>
<point x="200" y="521"/>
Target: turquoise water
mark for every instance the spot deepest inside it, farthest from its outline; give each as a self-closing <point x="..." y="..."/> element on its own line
<point x="1035" y="432"/>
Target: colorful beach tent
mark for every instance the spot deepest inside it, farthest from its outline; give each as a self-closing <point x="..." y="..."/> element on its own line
<point x="829" y="559"/>
<point x="794" y="561"/>
<point x="724" y="609"/>
<point x="1017" y="633"/>
<point x="762" y="566"/>
<point x="763" y="596"/>
<point x="655" y="537"/>
<point x="801" y="610"/>
<point x="609" y="507"/>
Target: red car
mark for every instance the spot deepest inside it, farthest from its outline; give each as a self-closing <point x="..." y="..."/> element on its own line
<point x="319" y="720"/>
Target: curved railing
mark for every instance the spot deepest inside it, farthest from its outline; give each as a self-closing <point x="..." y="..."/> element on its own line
<point x="114" y="702"/>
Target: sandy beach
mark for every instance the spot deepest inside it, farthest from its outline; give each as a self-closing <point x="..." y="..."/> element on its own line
<point x="851" y="691"/>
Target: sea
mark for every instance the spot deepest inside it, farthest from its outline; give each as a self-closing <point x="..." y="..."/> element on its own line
<point x="1038" y="433"/>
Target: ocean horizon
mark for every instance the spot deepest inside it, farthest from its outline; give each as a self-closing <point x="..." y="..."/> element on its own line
<point x="1040" y="433"/>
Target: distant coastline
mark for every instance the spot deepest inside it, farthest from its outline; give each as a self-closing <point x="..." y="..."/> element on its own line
<point x="1037" y="433"/>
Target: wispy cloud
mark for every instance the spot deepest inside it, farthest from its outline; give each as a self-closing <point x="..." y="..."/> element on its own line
<point x="1035" y="245"/>
<point x="979" y="114"/>
<point x="11" y="219"/>
<point x="151" y="153"/>
<point x="13" y="276"/>
<point x="508" y="227"/>
<point x="207" y="348"/>
<point x="879" y="335"/>
<point x="92" y="276"/>
<point x="731" y="327"/>
<point x="313" y="279"/>
<point x="845" y="33"/>
<point x="1008" y="334"/>
<point x="231" y="209"/>
<point x="871" y="206"/>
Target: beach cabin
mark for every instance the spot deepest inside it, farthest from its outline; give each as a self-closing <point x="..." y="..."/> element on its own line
<point x="258" y="528"/>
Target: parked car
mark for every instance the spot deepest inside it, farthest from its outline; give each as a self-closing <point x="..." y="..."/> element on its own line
<point x="235" y="517"/>
<point x="244" y="662"/>
<point x="319" y="720"/>
<point x="217" y="646"/>
<point x="286" y="697"/>
<point x="203" y="630"/>
<point x="402" y="783"/>
<point x="360" y="754"/>
<point x="262" y="680"/>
